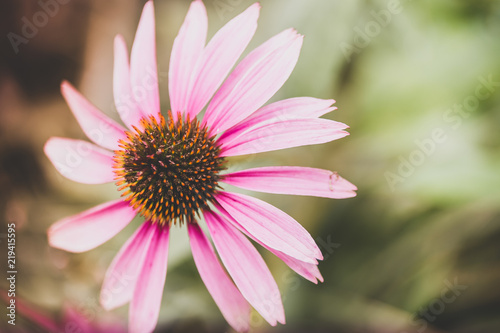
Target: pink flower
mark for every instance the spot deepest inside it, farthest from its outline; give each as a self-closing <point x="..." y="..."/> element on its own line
<point x="170" y="168"/>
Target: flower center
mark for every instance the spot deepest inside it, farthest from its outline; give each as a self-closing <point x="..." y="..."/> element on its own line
<point x="169" y="170"/>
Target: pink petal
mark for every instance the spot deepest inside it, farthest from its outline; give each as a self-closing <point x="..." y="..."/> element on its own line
<point x="247" y="268"/>
<point x="80" y="161"/>
<point x="121" y="276"/>
<point x="187" y="49"/>
<point x="220" y="55"/>
<point x="296" y="107"/>
<point x="306" y="270"/>
<point x="271" y="226"/>
<point x="256" y="79"/>
<point x="286" y="134"/>
<point x="91" y="228"/>
<point x="145" y="305"/>
<point x="292" y="108"/>
<point x="228" y="298"/>
<point x="293" y="180"/>
<point x="143" y="69"/>
<point x="99" y="128"/>
<point x="125" y="103"/>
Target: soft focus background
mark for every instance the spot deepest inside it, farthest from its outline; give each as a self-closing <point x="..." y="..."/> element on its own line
<point x="418" y="250"/>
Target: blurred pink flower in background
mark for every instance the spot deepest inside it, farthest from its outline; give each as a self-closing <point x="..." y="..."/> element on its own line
<point x="169" y="168"/>
<point x="72" y="320"/>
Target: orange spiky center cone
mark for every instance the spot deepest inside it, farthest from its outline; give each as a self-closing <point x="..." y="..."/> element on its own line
<point x="168" y="170"/>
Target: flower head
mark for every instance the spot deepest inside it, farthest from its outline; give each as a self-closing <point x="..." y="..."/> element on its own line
<point x="170" y="167"/>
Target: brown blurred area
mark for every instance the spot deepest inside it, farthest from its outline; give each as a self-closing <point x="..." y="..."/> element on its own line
<point x="42" y="44"/>
<point x="36" y="53"/>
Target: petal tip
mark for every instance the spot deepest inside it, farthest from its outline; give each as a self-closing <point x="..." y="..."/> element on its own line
<point x="119" y="41"/>
<point x="50" y="238"/>
<point x="257" y="5"/>
<point x="65" y="84"/>
<point x="50" y="147"/>
<point x="47" y="145"/>
<point x="351" y="194"/>
<point x="253" y="11"/>
<point x="56" y="243"/>
<point x="148" y="14"/>
<point x="66" y="88"/>
<point x="105" y="304"/>
<point x="293" y="34"/>
<point x="344" y="133"/>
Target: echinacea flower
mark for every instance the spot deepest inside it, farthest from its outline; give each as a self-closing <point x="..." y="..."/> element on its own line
<point x="170" y="167"/>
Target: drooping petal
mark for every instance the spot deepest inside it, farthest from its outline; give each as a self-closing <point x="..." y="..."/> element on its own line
<point x="307" y="270"/>
<point x="91" y="228"/>
<point x="232" y="304"/>
<point x="80" y="161"/>
<point x="293" y="180"/>
<point x="292" y="108"/>
<point x="127" y="108"/>
<point x="99" y="128"/>
<point x="187" y="49"/>
<point x="220" y="55"/>
<point x="247" y="268"/>
<point x="145" y="305"/>
<point x="286" y="134"/>
<point x="121" y="276"/>
<point x="268" y="224"/>
<point x="256" y="79"/>
<point x="143" y="68"/>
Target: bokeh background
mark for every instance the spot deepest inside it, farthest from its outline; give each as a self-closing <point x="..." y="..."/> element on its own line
<point x="418" y="250"/>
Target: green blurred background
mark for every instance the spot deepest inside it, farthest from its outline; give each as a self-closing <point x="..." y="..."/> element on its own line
<point x="419" y="84"/>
